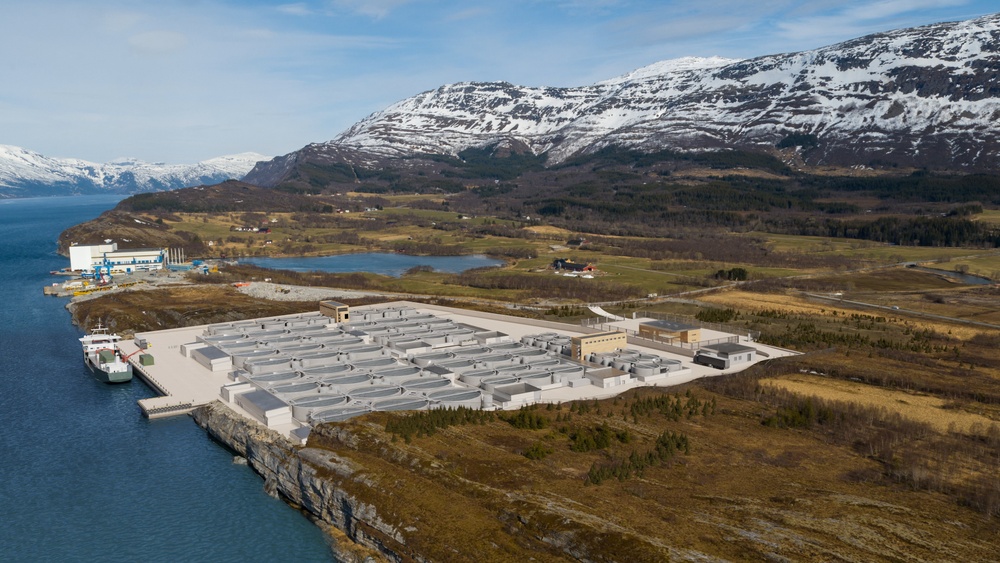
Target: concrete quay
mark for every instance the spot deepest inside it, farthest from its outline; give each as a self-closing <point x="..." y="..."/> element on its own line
<point x="183" y="384"/>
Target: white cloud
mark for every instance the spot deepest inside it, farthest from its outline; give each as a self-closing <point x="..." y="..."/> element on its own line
<point x="857" y="19"/>
<point x="258" y="33"/>
<point x="681" y="28"/>
<point x="591" y="6"/>
<point x="467" y="14"/>
<point x="122" y="21"/>
<point x="158" y="42"/>
<point x="298" y="9"/>
<point x="892" y="8"/>
<point x="377" y="9"/>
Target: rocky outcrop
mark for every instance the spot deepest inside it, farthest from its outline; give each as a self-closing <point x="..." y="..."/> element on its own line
<point x="305" y="478"/>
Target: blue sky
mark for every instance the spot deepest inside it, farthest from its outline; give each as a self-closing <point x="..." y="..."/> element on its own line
<point x="185" y="80"/>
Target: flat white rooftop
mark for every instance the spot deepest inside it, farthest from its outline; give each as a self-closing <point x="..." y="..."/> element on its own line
<point x="186" y="384"/>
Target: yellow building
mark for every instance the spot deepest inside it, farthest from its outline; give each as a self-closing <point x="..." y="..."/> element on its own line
<point x="335" y="310"/>
<point x="666" y="330"/>
<point x="583" y="346"/>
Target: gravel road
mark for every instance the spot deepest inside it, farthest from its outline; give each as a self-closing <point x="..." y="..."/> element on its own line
<point x="260" y="290"/>
<point x="282" y="292"/>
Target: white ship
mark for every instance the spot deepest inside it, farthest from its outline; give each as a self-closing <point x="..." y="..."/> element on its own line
<point x="104" y="358"/>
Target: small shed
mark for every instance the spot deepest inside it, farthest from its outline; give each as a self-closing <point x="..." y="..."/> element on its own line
<point x="725" y="355"/>
<point x="608" y="377"/>
<point x="518" y="393"/>
<point x="335" y="310"/>
<point x="265" y="407"/>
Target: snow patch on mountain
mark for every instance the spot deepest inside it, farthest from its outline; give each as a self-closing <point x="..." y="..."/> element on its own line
<point x="24" y="173"/>
<point x="661" y="68"/>
<point x="901" y="94"/>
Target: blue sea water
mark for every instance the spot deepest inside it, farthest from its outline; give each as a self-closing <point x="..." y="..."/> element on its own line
<point x="378" y="263"/>
<point x="83" y="476"/>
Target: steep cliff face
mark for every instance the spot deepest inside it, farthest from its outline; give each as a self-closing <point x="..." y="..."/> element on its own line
<point x="304" y="478"/>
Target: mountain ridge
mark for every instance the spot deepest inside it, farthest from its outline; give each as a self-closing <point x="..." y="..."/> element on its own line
<point x="925" y="96"/>
<point x="25" y="173"/>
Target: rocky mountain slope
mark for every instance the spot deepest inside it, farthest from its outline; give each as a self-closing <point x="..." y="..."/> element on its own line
<point x="926" y="96"/>
<point x="24" y="173"/>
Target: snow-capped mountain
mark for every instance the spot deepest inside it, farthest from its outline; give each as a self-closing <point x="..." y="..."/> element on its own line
<point x="24" y="173"/>
<point x="927" y="96"/>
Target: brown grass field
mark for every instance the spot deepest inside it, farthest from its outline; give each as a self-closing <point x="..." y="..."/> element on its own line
<point x="937" y="412"/>
<point x="745" y="492"/>
<point x="799" y="305"/>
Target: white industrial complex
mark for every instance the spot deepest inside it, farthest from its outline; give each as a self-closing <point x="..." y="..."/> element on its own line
<point x="108" y="258"/>
<point x="295" y="371"/>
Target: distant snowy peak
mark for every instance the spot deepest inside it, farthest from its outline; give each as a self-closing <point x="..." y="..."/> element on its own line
<point x="236" y="161"/>
<point x="926" y="96"/>
<point x="661" y="68"/>
<point x="24" y="173"/>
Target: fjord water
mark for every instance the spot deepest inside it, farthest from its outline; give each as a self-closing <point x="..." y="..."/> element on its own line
<point x="375" y="262"/>
<point x="83" y="476"/>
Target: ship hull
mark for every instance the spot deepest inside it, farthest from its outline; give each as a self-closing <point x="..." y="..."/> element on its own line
<point x="106" y="375"/>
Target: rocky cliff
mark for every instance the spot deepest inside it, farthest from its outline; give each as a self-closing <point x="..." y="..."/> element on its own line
<point x="383" y="501"/>
<point x="302" y="477"/>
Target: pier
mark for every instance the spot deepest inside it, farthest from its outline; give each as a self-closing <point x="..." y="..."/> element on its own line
<point x="182" y="383"/>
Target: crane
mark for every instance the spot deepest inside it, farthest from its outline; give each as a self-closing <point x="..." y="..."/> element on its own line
<point x="102" y="274"/>
<point x="125" y="358"/>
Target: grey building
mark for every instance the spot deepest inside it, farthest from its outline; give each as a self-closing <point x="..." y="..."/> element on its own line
<point x="725" y="355"/>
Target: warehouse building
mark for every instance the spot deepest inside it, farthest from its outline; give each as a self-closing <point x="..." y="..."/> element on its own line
<point x="394" y="358"/>
<point x="109" y="258"/>
<point x="665" y="331"/>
